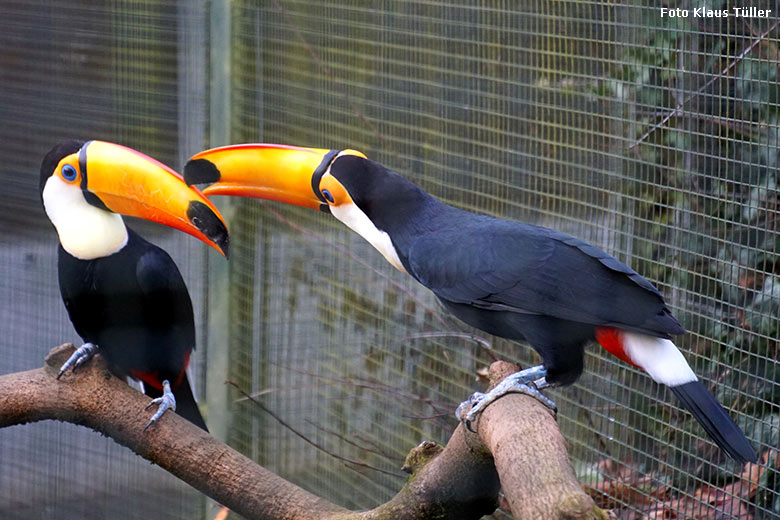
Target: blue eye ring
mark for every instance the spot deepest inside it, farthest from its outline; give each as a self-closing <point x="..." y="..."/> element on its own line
<point x="69" y="172"/>
<point x="328" y="196"/>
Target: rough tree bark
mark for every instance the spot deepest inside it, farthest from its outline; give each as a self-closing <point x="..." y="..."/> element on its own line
<point x="517" y="447"/>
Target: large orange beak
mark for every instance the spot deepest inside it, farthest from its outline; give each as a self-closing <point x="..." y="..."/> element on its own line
<point x="288" y="174"/>
<point x="128" y="182"/>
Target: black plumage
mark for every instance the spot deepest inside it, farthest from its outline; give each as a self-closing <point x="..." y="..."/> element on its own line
<point x="135" y="306"/>
<point x="525" y="282"/>
<point x="128" y="298"/>
<point x="510" y="279"/>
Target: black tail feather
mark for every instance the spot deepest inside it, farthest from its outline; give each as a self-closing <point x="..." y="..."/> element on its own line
<point x="715" y="421"/>
<point x="186" y="405"/>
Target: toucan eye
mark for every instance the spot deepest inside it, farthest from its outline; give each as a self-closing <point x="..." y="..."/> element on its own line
<point x="68" y="172"/>
<point x="328" y="196"/>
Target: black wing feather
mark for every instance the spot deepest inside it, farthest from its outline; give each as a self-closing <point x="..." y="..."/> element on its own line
<point x="168" y="313"/>
<point x="169" y="308"/>
<point x="503" y="265"/>
<point x="166" y="295"/>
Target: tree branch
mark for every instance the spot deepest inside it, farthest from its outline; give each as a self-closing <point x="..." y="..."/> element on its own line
<point x="459" y="481"/>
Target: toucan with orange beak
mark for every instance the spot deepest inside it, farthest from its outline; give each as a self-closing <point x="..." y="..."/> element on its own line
<point x="124" y="295"/>
<point x="510" y="279"/>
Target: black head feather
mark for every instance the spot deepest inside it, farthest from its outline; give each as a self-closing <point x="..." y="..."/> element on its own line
<point x="54" y="156"/>
<point x="388" y="199"/>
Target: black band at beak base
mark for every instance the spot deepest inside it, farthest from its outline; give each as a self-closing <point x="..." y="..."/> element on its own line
<point x="319" y="172"/>
<point x="88" y="195"/>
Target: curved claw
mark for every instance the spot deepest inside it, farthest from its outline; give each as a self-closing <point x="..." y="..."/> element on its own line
<point x="82" y="354"/>
<point x="526" y="381"/>
<point x="166" y="402"/>
<point x="461" y="412"/>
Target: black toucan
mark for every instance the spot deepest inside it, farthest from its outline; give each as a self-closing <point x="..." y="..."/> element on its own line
<point x="124" y="295"/>
<point x="510" y="279"/>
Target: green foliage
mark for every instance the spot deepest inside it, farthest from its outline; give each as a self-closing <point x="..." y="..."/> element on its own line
<point x="702" y="188"/>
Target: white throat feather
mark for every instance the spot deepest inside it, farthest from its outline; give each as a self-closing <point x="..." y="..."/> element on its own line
<point x="85" y="231"/>
<point x="354" y="218"/>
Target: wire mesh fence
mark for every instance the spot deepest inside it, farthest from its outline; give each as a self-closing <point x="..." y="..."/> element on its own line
<point x="82" y="70"/>
<point x="653" y="136"/>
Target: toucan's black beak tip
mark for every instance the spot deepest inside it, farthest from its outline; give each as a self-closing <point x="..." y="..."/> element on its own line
<point x="224" y="245"/>
<point x="208" y="223"/>
<point x="200" y="171"/>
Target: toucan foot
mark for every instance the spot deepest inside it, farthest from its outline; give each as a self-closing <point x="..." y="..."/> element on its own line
<point x="527" y="381"/>
<point x="462" y="411"/>
<point x="83" y="354"/>
<point x="167" y="401"/>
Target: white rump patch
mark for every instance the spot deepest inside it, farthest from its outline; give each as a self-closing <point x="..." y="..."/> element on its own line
<point x="659" y="357"/>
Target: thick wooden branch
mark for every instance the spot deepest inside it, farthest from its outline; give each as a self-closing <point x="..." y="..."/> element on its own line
<point x="530" y="455"/>
<point x="517" y="445"/>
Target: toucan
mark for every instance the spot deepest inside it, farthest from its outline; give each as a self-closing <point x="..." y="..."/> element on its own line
<point x="510" y="279"/>
<point x="124" y="295"/>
